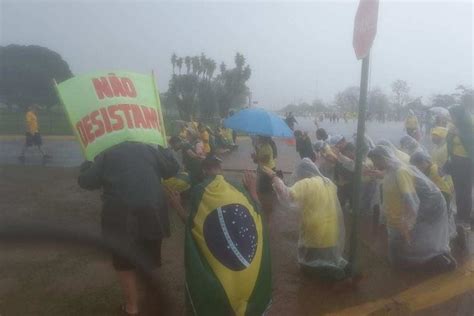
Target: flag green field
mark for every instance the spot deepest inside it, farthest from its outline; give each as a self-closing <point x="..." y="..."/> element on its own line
<point x="227" y="258"/>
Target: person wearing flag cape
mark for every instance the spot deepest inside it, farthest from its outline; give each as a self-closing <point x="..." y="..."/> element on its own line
<point x="227" y="257"/>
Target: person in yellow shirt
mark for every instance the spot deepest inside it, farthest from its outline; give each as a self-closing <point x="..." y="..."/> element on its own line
<point x="416" y="215"/>
<point x="444" y="183"/>
<point x="33" y="136"/>
<point x="321" y="236"/>
<point x="430" y="169"/>
<point x="439" y="153"/>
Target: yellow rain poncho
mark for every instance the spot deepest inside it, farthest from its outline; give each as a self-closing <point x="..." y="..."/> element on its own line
<point x="439" y="131"/>
<point x="411" y="121"/>
<point x="321" y="237"/>
<point x="178" y="183"/>
<point x="404" y="157"/>
<point x="415" y="210"/>
<point x="439" y="153"/>
<point x="443" y="184"/>
<point x="409" y="145"/>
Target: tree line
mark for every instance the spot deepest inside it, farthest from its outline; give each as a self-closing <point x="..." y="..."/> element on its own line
<point x="379" y="102"/>
<point x="198" y="91"/>
<point x="195" y="90"/>
<point x="198" y="88"/>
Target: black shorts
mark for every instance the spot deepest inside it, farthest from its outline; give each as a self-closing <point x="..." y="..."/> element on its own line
<point x="33" y="139"/>
<point x="148" y="250"/>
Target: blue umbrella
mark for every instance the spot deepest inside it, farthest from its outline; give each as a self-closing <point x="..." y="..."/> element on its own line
<point x="258" y="122"/>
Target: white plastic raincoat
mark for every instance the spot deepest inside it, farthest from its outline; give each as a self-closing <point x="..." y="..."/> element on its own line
<point x="410" y="145"/>
<point x="321" y="238"/>
<point x="415" y="212"/>
<point x="404" y="157"/>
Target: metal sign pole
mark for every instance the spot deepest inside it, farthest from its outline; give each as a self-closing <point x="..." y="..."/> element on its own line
<point x="358" y="164"/>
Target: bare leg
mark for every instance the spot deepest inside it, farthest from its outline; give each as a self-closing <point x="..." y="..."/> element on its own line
<point x="22" y="154"/>
<point x="128" y="282"/>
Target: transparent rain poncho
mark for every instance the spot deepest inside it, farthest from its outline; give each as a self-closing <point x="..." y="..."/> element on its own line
<point x="444" y="183"/>
<point x="439" y="152"/>
<point x="415" y="211"/>
<point x="326" y="167"/>
<point x="370" y="193"/>
<point x="321" y="236"/>
<point x="404" y="157"/>
<point x="333" y="140"/>
<point x="409" y="145"/>
<point x="348" y="163"/>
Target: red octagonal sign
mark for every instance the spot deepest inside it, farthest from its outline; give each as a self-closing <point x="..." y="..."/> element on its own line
<point x="365" y="27"/>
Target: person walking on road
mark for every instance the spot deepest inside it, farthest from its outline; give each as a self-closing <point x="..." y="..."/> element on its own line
<point x="33" y="136"/>
<point x="291" y="121"/>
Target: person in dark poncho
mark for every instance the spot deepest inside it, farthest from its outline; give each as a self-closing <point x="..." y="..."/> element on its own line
<point x="134" y="213"/>
<point x="460" y="144"/>
<point x="321" y="134"/>
<point x="304" y="146"/>
<point x="291" y="121"/>
<point x="191" y="159"/>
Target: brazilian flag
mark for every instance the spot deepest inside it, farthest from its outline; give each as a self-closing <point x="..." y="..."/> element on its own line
<point x="227" y="256"/>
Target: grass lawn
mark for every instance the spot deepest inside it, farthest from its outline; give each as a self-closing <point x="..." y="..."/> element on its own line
<point x="53" y="123"/>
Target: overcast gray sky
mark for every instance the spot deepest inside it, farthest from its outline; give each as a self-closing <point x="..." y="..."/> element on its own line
<point x="297" y="50"/>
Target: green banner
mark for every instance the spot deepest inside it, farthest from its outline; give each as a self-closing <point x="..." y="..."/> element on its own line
<point x="108" y="108"/>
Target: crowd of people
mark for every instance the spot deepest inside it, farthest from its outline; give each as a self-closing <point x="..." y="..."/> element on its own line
<point x="423" y="198"/>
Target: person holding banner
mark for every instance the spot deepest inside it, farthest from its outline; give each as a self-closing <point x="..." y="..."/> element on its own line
<point x="134" y="211"/>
